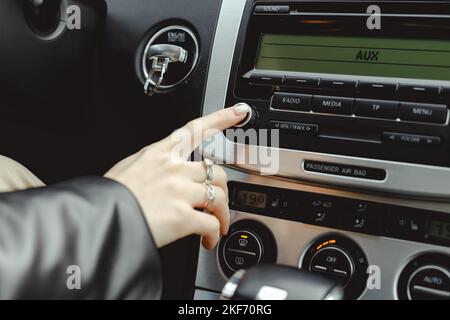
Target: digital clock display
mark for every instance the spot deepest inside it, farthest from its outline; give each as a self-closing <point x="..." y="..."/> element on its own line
<point x="439" y="230"/>
<point x="251" y="199"/>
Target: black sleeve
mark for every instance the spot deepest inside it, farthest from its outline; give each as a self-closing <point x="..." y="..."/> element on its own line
<point x="93" y="224"/>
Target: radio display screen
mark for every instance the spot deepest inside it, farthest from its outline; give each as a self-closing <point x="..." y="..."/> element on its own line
<point x="381" y="57"/>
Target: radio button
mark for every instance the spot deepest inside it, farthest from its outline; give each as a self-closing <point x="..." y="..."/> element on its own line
<point x="406" y="138"/>
<point x="377" y="88"/>
<point x="293" y="127"/>
<point x="337" y="84"/>
<point x="333" y="105"/>
<point x="290" y="101"/>
<point x="376" y="108"/>
<point x="407" y="90"/>
<point x="265" y="79"/>
<point x="423" y="112"/>
<point x="301" y="82"/>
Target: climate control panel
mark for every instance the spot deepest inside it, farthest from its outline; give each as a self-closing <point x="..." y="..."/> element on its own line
<point x="247" y="244"/>
<point x="426" y="277"/>
<point x="341" y="259"/>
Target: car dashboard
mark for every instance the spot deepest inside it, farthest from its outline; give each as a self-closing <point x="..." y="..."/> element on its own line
<point x="342" y="169"/>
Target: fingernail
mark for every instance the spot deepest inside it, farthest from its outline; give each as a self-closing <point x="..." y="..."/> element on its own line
<point x="241" y="108"/>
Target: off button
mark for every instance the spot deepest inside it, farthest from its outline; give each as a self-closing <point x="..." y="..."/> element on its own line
<point x="333" y="261"/>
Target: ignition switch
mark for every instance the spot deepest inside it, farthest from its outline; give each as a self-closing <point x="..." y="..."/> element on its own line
<point x="168" y="59"/>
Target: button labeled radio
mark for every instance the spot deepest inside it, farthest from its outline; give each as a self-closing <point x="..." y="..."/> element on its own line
<point x="333" y="105"/>
<point x="290" y="101"/>
<point x="376" y="108"/>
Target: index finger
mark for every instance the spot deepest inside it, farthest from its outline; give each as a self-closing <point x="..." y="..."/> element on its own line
<point x="196" y="131"/>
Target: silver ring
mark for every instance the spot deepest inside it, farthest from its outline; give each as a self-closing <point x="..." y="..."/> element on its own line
<point x="209" y="164"/>
<point x="210" y="194"/>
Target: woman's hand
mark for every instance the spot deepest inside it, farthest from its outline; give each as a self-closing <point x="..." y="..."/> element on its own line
<point x="171" y="190"/>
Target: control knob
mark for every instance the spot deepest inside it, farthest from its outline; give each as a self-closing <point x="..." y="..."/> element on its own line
<point x="341" y="259"/>
<point x="426" y="277"/>
<point x="250" y="121"/>
<point x="247" y="244"/>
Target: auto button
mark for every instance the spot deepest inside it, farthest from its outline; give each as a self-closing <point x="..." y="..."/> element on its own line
<point x="429" y="282"/>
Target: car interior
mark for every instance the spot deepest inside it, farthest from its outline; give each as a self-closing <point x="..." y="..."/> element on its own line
<point x="349" y="181"/>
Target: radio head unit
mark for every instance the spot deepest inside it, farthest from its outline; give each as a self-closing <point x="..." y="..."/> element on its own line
<point x="359" y="91"/>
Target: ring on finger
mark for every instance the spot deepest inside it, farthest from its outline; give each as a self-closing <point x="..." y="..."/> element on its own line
<point x="209" y="164"/>
<point x="210" y="194"/>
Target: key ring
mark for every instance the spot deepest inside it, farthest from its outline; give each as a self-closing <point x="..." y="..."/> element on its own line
<point x="156" y="67"/>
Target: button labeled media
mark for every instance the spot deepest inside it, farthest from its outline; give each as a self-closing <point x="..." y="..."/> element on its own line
<point x="290" y="101"/>
<point x="333" y="105"/>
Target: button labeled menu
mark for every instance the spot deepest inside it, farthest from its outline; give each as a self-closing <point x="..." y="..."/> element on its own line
<point x="290" y="101"/>
<point x="333" y="105"/>
<point x="423" y="112"/>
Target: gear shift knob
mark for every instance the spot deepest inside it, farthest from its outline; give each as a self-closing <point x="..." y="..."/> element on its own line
<point x="272" y="282"/>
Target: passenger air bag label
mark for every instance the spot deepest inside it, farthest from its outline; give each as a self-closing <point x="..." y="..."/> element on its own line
<point x="344" y="170"/>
